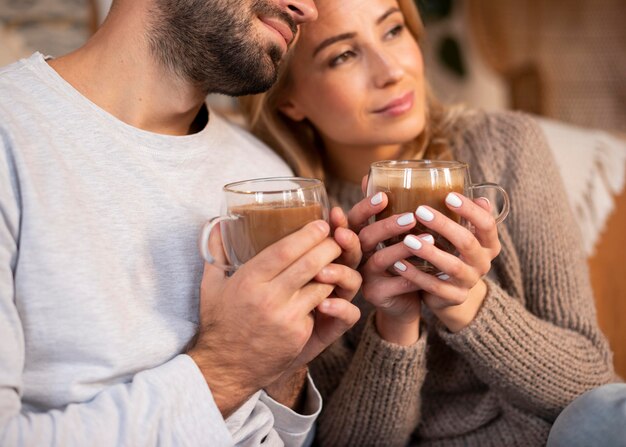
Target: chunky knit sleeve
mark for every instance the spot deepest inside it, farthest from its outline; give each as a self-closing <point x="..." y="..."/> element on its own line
<point x="536" y="338"/>
<point x="371" y="393"/>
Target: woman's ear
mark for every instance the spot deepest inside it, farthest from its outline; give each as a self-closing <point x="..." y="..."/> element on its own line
<point x="291" y="110"/>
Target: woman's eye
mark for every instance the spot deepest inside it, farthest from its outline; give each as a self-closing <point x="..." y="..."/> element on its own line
<point x="395" y="31"/>
<point x="342" y="58"/>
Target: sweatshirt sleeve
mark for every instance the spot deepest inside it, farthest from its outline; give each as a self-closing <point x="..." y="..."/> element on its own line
<point x="537" y="342"/>
<point x="264" y="421"/>
<point x="376" y="400"/>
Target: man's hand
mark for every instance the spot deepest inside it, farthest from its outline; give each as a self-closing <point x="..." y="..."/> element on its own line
<point x="257" y="325"/>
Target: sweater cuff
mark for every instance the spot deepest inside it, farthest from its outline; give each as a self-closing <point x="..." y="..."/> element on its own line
<point x="502" y="331"/>
<point x="390" y="360"/>
<point x="495" y="320"/>
<point x="294" y="428"/>
<point x="193" y="411"/>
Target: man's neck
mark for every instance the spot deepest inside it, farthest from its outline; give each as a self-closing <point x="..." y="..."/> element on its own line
<point x="117" y="72"/>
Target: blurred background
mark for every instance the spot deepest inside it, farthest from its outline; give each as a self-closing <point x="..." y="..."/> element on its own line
<point x="563" y="61"/>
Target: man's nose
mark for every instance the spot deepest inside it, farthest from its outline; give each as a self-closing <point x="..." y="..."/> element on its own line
<point x="301" y="10"/>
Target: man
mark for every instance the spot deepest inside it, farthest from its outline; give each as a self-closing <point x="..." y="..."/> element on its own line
<point x="110" y="162"/>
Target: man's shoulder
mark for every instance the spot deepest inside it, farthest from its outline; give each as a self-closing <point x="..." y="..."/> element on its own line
<point x="17" y="72"/>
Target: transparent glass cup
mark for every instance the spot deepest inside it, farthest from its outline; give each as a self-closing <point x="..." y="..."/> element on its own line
<point x="411" y="183"/>
<point x="257" y="213"/>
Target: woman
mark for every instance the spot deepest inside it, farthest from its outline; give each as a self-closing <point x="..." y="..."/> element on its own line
<point x="488" y="355"/>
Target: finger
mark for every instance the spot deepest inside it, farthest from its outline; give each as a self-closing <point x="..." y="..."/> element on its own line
<point x="448" y="293"/>
<point x="310" y="296"/>
<point x="460" y="237"/>
<point x="351" y="247"/>
<point x="341" y="315"/>
<point x="346" y="280"/>
<point x="378" y="291"/>
<point x="484" y="203"/>
<point x="338" y="219"/>
<point x="486" y="230"/>
<point x="305" y="268"/>
<point x="385" y="229"/>
<point x="273" y="260"/>
<point x="334" y="317"/>
<point x="454" y="267"/>
<point x="380" y="261"/>
<point x="359" y="215"/>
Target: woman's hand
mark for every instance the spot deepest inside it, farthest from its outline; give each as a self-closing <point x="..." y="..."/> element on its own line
<point x="456" y="295"/>
<point x="395" y="298"/>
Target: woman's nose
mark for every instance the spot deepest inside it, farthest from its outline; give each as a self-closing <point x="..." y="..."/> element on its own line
<point x="301" y="10"/>
<point x="387" y="70"/>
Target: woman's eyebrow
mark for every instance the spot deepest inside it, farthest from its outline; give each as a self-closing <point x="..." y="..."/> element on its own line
<point x="346" y="36"/>
<point x="332" y="40"/>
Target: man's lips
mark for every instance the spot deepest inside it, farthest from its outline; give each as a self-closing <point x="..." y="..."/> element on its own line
<point x="398" y="105"/>
<point x="279" y="26"/>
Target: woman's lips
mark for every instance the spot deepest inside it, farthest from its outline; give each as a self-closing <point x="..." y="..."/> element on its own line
<point x="398" y="106"/>
<point x="279" y="27"/>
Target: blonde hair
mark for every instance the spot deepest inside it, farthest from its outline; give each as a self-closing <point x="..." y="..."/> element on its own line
<point x="301" y="146"/>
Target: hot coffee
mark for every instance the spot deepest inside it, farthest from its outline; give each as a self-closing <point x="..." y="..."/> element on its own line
<point x="406" y="194"/>
<point x="257" y="226"/>
<point x="257" y="213"/>
<point x="411" y="183"/>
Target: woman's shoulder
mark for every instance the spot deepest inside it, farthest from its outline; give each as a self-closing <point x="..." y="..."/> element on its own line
<point x="500" y="137"/>
<point x="499" y="126"/>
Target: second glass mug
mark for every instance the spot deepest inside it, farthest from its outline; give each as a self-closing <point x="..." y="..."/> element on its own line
<point x="411" y="183"/>
<point x="256" y="213"/>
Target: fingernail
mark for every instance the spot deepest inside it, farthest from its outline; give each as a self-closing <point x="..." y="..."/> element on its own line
<point x="400" y="266"/>
<point x="324" y="305"/>
<point x="412" y="242"/>
<point x="377" y="199"/>
<point x="424" y="214"/>
<point x="453" y="200"/>
<point x="443" y="277"/>
<point x="323" y="226"/>
<point x="405" y="219"/>
<point x="428" y="238"/>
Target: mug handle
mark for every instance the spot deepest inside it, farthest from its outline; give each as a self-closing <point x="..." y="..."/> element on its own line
<point x="203" y="242"/>
<point x="506" y="202"/>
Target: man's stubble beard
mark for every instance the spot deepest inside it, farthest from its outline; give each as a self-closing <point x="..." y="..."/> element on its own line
<point x="213" y="45"/>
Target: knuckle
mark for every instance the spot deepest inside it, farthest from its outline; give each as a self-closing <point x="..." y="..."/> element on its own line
<point x="436" y="288"/>
<point x="461" y="296"/>
<point x="484" y="269"/>
<point x="377" y="261"/>
<point x="467" y="241"/>
<point x="456" y="269"/>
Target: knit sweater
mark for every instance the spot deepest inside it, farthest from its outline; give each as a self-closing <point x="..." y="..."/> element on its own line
<point x="532" y="348"/>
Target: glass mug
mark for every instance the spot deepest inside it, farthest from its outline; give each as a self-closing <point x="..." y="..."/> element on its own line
<point x="256" y="213"/>
<point x="411" y="183"/>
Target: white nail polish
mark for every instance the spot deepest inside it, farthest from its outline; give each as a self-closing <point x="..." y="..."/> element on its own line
<point x="424" y="214"/>
<point x="400" y="266"/>
<point x="453" y="200"/>
<point x="443" y="277"/>
<point x="405" y="219"/>
<point x="377" y="199"/>
<point x="412" y="242"/>
<point x="428" y="239"/>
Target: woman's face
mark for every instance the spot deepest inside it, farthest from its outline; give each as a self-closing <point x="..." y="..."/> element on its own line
<point x="357" y="75"/>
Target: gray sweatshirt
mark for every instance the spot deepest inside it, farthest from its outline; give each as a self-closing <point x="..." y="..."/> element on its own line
<point x="100" y="274"/>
